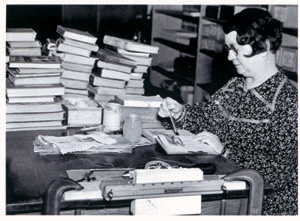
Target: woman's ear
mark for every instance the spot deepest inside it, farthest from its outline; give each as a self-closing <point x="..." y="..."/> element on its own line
<point x="268" y="45"/>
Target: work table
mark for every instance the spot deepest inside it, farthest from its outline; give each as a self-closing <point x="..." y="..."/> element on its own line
<point x="28" y="174"/>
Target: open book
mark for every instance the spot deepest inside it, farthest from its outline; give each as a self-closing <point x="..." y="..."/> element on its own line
<point x="185" y="143"/>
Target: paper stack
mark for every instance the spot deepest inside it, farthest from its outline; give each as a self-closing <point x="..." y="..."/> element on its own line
<point x="74" y="47"/>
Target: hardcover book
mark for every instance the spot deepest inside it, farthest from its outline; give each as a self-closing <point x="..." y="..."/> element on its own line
<point x="34" y="108"/>
<point x="114" y="57"/>
<point x="129" y="45"/>
<point x="106" y="90"/>
<point x="76" y="84"/>
<point x="34" y="90"/>
<point x="115" y="66"/>
<point x="34" y="80"/>
<point x="106" y="82"/>
<point x="76" y="34"/>
<point x="75" y="75"/>
<point x="80" y="44"/>
<point x="73" y="50"/>
<point x="139" y="100"/>
<point x="32" y="117"/>
<point x="72" y="58"/>
<point x="20" y="34"/>
<point x="34" y="62"/>
<point x="112" y="74"/>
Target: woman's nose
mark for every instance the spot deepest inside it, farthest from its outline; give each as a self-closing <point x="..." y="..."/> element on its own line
<point x="231" y="55"/>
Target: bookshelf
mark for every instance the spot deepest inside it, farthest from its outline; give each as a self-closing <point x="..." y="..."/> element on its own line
<point x="177" y="53"/>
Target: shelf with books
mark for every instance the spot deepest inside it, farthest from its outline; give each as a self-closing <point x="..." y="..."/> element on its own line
<point x="179" y="78"/>
<point x="188" y="49"/>
<point x="178" y="14"/>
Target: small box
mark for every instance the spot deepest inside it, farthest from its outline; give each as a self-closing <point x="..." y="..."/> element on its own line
<point x="82" y="112"/>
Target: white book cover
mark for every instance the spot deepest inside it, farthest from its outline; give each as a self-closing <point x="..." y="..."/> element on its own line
<point x="76" y="34"/>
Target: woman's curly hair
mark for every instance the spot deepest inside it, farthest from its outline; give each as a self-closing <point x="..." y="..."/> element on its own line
<point x="254" y="26"/>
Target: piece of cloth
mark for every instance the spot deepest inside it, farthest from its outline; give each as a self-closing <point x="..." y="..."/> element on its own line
<point x="259" y="129"/>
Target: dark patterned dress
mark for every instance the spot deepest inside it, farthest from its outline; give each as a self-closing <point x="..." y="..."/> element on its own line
<point x="259" y="130"/>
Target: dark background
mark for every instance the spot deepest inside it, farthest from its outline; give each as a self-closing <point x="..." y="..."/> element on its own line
<point x="119" y="20"/>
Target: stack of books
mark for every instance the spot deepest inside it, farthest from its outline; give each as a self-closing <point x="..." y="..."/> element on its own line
<point x="32" y="88"/>
<point x="22" y="42"/>
<point x="120" y="68"/>
<point x="140" y="54"/>
<point x="74" y="47"/>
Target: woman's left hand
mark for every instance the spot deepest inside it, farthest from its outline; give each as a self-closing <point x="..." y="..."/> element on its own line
<point x="211" y="140"/>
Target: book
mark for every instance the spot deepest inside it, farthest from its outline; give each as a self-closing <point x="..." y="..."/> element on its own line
<point x="76" y="84"/>
<point x="77" y="67"/>
<point x="33" y="108"/>
<point x="73" y="50"/>
<point x="129" y="45"/>
<point x="134" y="90"/>
<point x="136" y="76"/>
<point x="75" y="75"/>
<point x="46" y="99"/>
<point x="184" y="143"/>
<point x="20" y="125"/>
<point x="34" y="90"/>
<point x="34" y="62"/>
<point x="107" y="55"/>
<point x="76" y="91"/>
<point x="20" y="34"/>
<point x="146" y="61"/>
<point x="37" y="70"/>
<point x="80" y="44"/>
<point x="135" y="83"/>
<point x="24" y="51"/>
<point x="16" y="74"/>
<point x="141" y="68"/>
<point x="101" y="97"/>
<point x="106" y="82"/>
<point x="106" y="90"/>
<point x="139" y="101"/>
<point x="130" y="53"/>
<point x="76" y="34"/>
<point x="34" y="80"/>
<point x="72" y="58"/>
<point x="24" y="44"/>
<point x="112" y="74"/>
<point x="31" y="117"/>
<point x="115" y="66"/>
<point x="39" y="128"/>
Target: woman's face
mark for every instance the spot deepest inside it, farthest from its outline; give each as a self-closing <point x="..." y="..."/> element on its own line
<point x="245" y="66"/>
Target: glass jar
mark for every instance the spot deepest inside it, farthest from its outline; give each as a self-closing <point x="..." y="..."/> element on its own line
<point x="112" y="116"/>
<point x="132" y="128"/>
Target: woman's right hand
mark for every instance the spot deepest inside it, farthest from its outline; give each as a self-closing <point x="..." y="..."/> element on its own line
<point x="170" y="106"/>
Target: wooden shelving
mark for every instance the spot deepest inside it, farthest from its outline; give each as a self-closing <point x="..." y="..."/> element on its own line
<point x="183" y="80"/>
<point x="180" y="47"/>
<point x="178" y="14"/>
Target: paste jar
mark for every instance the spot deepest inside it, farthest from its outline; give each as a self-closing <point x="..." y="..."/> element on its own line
<point x="132" y="128"/>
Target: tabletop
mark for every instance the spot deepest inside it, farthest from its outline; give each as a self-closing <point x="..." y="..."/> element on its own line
<point x="28" y="174"/>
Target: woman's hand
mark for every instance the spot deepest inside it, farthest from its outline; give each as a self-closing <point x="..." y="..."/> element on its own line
<point x="170" y="106"/>
<point x="211" y="140"/>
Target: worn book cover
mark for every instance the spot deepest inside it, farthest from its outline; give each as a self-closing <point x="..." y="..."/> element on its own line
<point x="34" y="62"/>
<point x="76" y="34"/>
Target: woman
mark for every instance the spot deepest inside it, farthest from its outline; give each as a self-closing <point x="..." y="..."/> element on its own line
<point x="254" y="116"/>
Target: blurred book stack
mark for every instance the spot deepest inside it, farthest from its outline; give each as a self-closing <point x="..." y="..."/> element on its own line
<point x="120" y="68"/>
<point x="74" y="47"/>
<point x="22" y="42"/>
<point x="140" y="53"/>
<point x="32" y="87"/>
